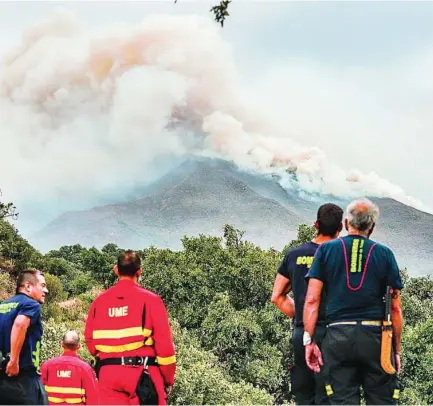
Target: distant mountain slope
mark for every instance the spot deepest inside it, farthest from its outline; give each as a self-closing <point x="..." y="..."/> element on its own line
<point x="202" y="196"/>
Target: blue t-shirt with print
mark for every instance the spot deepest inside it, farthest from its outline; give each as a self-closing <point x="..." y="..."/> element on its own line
<point x="22" y="304"/>
<point x="355" y="291"/>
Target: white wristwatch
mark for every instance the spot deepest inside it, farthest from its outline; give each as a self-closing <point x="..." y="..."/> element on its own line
<point x="306" y="338"/>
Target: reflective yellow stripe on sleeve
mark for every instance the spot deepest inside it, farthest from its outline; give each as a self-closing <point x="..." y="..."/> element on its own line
<point x="70" y="391"/>
<point x="122" y="333"/>
<point x="65" y="400"/>
<point x="119" y="348"/>
<point x="166" y="360"/>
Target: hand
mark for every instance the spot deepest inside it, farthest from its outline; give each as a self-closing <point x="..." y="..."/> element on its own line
<point x="12" y="368"/>
<point x="168" y="389"/>
<point x="397" y="363"/>
<point x="313" y="357"/>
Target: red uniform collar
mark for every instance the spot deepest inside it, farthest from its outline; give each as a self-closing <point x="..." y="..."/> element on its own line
<point x="126" y="282"/>
<point x="69" y="353"/>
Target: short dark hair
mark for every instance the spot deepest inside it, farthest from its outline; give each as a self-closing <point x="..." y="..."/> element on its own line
<point x="27" y="275"/>
<point x="128" y="263"/>
<point x="329" y="219"/>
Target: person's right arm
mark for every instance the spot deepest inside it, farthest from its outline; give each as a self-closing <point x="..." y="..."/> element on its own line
<point x="91" y="386"/>
<point x="316" y="279"/>
<point x="279" y="297"/>
<point x="397" y="326"/>
<point x="18" y="335"/>
<point x="164" y="346"/>
<point x="396" y="284"/>
<point x="88" y="331"/>
<point x="282" y="286"/>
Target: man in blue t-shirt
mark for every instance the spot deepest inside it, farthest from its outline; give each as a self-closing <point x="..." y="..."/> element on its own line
<point x="307" y="388"/>
<point x="354" y="273"/>
<point x="20" y="342"/>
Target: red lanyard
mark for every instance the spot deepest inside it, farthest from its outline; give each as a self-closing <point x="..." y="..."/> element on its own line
<point x="364" y="272"/>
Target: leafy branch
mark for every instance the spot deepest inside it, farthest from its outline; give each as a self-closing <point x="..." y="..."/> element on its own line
<point x="220" y="11"/>
<point x="7" y="210"/>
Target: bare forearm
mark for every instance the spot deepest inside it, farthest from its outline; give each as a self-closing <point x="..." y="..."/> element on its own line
<point x="18" y="336"/>
<point x="311" y="306"/>
<point x="311" y="314"/>
<point x="397" y="327"/>
<point x="286" y="305"/>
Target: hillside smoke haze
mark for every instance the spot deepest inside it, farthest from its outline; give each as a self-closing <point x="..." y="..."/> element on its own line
<point x="82" y="116"/>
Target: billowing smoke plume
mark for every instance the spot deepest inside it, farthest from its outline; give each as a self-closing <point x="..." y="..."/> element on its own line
<point x="82" y="116"/>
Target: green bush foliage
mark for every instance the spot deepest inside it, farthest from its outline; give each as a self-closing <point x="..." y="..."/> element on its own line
<point x="233" y="346"/>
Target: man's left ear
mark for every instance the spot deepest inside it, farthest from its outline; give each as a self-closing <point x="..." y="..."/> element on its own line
<point x="116" y="270"/>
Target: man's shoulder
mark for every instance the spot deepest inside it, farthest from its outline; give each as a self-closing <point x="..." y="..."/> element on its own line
<point x="26" y="302"/>
<point x="21" y="298"/>
<point x="106" y="293"/>
<point x="81" y="363"/>
<point x="330" y="245"/>
<point x="306" y="249"/>
<point x="51" y="361"/>
<point x="381" y="247"/>
<point x="378" y="248"/>
<point x="62" y="359"/>
<point x="135" y="290"/>
<point x="10" y="303"/>
<point x="148" y="294"/>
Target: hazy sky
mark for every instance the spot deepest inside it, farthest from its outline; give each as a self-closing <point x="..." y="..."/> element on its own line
<point x="352" y="78"/>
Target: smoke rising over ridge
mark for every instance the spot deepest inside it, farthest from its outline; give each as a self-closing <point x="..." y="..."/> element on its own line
<point x="82" y="116"/>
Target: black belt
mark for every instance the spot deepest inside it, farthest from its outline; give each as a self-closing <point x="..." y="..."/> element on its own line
<point x="131" y="361"/>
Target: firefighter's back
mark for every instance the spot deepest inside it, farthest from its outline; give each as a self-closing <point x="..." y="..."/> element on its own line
<point x="62" y="381"/>
<point x="67" y="378"/>
<point x="126" y="327"/>
<point x="122" y="322"/>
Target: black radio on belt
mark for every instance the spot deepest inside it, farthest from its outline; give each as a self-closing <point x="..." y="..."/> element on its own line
<point x="4" y="359"/>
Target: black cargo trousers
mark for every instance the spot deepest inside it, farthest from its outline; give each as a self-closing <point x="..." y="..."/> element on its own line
<point x="351" y="357"/>
<point x="307" y="386"/>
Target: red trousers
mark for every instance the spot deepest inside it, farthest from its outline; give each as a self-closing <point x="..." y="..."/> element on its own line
<point x="117" y="384"/>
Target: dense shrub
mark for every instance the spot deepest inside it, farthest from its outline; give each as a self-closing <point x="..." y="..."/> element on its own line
<point x="233" y="346"/>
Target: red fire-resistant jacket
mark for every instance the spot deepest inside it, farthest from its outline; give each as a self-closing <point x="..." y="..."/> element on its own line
<point x="69" y="380"/>
<point x="128" y="320"/>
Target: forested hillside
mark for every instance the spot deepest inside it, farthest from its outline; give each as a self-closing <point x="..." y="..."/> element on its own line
<point x="233" y="345"/>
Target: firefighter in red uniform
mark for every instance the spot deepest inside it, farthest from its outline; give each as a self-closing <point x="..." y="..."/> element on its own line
<point x="128" y="332"/>
<point x="68" y="379"/>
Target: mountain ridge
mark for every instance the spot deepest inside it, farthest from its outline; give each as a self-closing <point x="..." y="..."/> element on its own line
<point x="201" y="196"/>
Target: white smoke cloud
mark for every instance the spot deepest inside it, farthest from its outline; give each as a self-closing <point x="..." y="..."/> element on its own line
<point x="82" y="115"/>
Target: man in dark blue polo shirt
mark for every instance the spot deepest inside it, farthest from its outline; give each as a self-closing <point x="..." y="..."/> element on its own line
<point x="307" y="388"/>
<point x="20" y="342"/>
<point x="354" y="272"/>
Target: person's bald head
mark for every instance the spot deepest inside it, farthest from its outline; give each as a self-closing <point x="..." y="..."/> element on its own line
<point x="362" y="216"/>
<point x="71" y="341"/>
